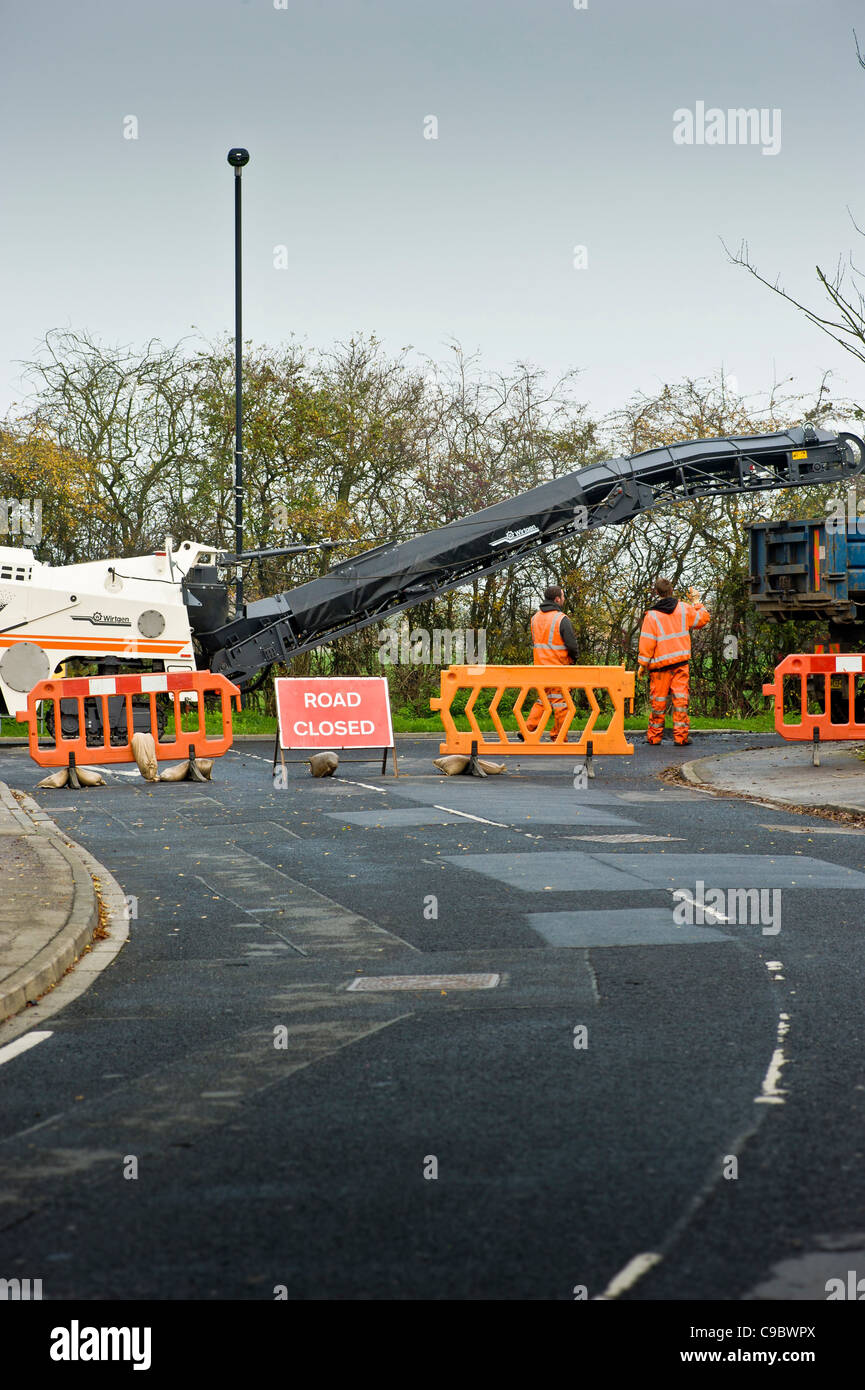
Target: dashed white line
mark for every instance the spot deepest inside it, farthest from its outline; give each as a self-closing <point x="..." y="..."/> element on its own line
<point x="771" y="1093"/>
<point x="22" y="1044"/>
<point x="631" y="839"/>
<point x="627" y="1277"/>
<point x="451" y="812"/>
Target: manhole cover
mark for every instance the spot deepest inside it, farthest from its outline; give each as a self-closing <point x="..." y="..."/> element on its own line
<point x="386" y="982"/>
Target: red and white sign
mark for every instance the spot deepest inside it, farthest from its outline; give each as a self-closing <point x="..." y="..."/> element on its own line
<point x="333" y="712"/>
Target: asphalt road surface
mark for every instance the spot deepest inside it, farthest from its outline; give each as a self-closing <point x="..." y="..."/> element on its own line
<point x="631" y="1104"/>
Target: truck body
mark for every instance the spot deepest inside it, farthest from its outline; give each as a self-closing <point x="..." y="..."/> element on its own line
<point x="809" y="569"/>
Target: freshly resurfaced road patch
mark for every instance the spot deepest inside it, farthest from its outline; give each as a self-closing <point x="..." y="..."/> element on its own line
<point x="576" y="871"/>
<point x="645" y="926"/>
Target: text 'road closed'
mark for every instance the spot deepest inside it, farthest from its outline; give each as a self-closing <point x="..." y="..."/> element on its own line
<point x="343" y="712"/>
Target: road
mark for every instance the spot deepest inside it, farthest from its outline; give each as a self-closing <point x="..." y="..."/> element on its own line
<point x="220" y="1116"/>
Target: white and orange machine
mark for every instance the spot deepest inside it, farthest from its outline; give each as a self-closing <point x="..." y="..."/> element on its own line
<point x="119" y="614"/>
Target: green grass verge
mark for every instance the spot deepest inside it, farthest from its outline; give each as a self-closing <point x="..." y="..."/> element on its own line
<point x="249" y="722"/>
<point x="761" y="723"/>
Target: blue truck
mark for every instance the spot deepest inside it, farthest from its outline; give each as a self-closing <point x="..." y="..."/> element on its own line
<point x="812" y="570"/>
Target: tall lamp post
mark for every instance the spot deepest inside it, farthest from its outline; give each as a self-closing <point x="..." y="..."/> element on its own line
<point x="237" y="158"/>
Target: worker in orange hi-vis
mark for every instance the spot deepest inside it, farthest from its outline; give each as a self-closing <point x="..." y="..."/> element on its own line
<point x="665" y="652"/>
<point x="553" y="644"/>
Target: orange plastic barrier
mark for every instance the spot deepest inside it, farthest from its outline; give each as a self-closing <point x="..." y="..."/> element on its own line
<point x="816" y="666"/>
<point x="614" y="681"/>
<point x="193" y="743"/>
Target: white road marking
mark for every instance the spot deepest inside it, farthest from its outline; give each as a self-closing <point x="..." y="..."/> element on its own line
<point x="627" y="1277"/>
<point x="624" y="839"/>
<point x="22" y="1044"/>
<point x="451" y="812"/>
<point x="368" y="785"/>
<point x="771" y="1093"/>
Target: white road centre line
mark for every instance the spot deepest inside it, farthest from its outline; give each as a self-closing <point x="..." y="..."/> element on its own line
<point x="451" y="812"/>
<point x="771" y="1093"/>
<point x="22" y="1044"/>
<point x="627" y="1277"/>
<point x="625" y="839"/>
<point x="368" y="785"/>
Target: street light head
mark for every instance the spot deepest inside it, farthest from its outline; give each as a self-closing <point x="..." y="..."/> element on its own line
<point x="238" y="158"/>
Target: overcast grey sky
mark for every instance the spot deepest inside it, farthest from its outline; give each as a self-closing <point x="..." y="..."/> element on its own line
<point x="555" y="130"/>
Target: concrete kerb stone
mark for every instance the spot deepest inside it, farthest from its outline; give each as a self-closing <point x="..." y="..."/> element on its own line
<point x="73" y="944"/>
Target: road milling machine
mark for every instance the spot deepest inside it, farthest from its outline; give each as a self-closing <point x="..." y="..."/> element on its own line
<point x="169" y="611"/>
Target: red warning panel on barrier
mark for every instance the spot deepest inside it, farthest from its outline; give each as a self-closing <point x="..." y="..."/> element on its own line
<point x="333" y="712"/>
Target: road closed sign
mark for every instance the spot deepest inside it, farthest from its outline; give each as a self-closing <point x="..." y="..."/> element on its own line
<point x="333" y="712"/>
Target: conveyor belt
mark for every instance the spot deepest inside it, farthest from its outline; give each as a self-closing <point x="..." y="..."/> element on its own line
<point x="373" y="586"/>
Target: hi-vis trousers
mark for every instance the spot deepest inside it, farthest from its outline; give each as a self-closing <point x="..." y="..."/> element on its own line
<point x="560" y="711"/>
<point x="667" y="681"/>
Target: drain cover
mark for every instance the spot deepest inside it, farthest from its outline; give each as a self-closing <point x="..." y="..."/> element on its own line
<point x="385" y="982"/>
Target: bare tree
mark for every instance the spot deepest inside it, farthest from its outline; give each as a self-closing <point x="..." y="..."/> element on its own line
<point x="844" y="320"/>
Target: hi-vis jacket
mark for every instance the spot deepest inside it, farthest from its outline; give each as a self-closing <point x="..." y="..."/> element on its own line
<point x="665" y="639"/>
<point x="553" y="640"/>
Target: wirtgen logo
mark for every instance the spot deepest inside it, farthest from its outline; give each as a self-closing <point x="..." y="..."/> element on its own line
<point x="76" y="1343"/>
<point x="740" y="906"/>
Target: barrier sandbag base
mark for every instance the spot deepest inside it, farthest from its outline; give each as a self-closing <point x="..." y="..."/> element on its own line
<point x="72" y="776"/>
<point x="457" y="764"/>
<point x="75" y="777"/>
<point x="192" y="770"/>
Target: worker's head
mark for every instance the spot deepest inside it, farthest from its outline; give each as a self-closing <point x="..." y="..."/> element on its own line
<point x="663" y="588"/>
<point x="554" y="594"/>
